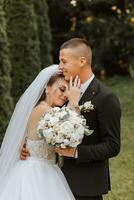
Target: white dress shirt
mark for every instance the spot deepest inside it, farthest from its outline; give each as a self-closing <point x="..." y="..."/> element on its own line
<point x="85" y="85"/>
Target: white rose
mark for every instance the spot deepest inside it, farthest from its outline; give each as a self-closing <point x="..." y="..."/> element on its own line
<point x="67" y="127"/>
<point x="47" y="116"/>
<point x="48" y="132"/>
<point x="53" y="121"/>
<point x="63" y="146"/>
<point x="75" y="120"/>
<point x="66" y="142"/>
<point x="58" y="139"/>
<point x="56" y="109"/>
<point x="80" y="129"/>
<point x="62" y="114"/>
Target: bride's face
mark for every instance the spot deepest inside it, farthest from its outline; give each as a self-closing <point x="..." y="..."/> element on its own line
<point x="56" y="94"/>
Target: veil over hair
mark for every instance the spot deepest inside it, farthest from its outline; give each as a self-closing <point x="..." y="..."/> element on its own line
<point x="16" y="130"/>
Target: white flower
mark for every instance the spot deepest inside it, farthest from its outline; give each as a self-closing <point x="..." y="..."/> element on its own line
<point x="53" y="121"/>
<point x="86" y="107"/>
<point x="56" y="109"/>
<point x="63" y="114"/>
<point x="58" y="139"/>
<point x="80" y="129"/>
<point x="67" y="127"/>
<point x="63" y="146"/>
<point x="66" y="142"/>
<point x="47" y="133"/>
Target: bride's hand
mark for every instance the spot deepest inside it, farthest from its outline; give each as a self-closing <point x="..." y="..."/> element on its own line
<point x="73" y="92"/>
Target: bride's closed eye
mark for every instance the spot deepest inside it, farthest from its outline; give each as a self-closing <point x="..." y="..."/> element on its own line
<point x="62" y="88"/>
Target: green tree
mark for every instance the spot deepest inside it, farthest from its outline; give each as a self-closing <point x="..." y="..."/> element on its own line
<point x="44" y="32"/>
<point x="102" y="27"/>
<point x="107" y="25"/>
<point x="60" y="20"/>
<point x="5" y="81"/>
<point x="24" y="44"/>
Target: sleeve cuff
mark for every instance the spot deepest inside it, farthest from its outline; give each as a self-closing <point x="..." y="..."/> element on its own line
<point x="76" y="153"/>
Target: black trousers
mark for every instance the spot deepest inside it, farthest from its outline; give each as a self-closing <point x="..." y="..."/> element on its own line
<point x="88" y="198"/>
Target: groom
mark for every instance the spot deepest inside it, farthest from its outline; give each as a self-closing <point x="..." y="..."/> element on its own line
<point x="86" y="167"/>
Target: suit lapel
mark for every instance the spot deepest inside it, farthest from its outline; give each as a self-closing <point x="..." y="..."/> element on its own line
<point x="90" y="92"/>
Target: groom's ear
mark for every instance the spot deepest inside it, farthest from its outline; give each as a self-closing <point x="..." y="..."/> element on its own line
<point x="83" y="61"/>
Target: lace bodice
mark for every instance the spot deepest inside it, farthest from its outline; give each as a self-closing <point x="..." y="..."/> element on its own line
<point x="40" y="149"/>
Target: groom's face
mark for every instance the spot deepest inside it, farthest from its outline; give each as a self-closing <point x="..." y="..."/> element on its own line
<point x="69" y="63"/>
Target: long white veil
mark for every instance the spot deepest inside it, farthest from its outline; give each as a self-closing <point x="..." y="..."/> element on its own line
<point x="10" y="148"/>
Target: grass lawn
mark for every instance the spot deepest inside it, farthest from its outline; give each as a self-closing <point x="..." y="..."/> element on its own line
<point x="122" y="167"/>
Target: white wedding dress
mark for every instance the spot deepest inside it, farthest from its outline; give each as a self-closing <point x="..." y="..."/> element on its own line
<point x="37" y="178"/>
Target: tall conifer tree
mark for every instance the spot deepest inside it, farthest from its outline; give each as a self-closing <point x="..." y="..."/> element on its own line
<point x="44" y="32"/>
<point x="5" y="81"/>
<point x="60" y="20"/>
<point x="24" y="44"/>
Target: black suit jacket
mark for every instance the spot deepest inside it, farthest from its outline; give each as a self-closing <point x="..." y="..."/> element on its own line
<point x="88" y="175"/>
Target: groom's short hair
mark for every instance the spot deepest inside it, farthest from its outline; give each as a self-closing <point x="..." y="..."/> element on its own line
<point x="76" y="43"/>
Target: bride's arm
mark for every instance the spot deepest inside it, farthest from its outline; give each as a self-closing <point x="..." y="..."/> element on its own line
<point x="35" y="116"/>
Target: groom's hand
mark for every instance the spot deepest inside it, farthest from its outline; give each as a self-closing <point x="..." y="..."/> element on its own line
<point x="68" y="152"/>
<point x="24" y="153"/>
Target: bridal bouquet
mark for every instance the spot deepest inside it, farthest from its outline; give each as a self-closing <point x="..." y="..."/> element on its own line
<point x="63" y="127"/>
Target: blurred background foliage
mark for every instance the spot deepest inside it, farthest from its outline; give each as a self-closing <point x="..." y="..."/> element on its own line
<point x="31" y="33"/>
<point x="107" y="25"/>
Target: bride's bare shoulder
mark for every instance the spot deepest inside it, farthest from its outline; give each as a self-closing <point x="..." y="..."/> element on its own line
<point x="39" y="110"/>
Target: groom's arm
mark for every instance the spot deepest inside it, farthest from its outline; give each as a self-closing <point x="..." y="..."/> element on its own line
<point x="108" y="117"/>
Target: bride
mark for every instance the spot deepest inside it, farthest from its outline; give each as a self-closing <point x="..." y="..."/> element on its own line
<point x="38" y="177"/>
